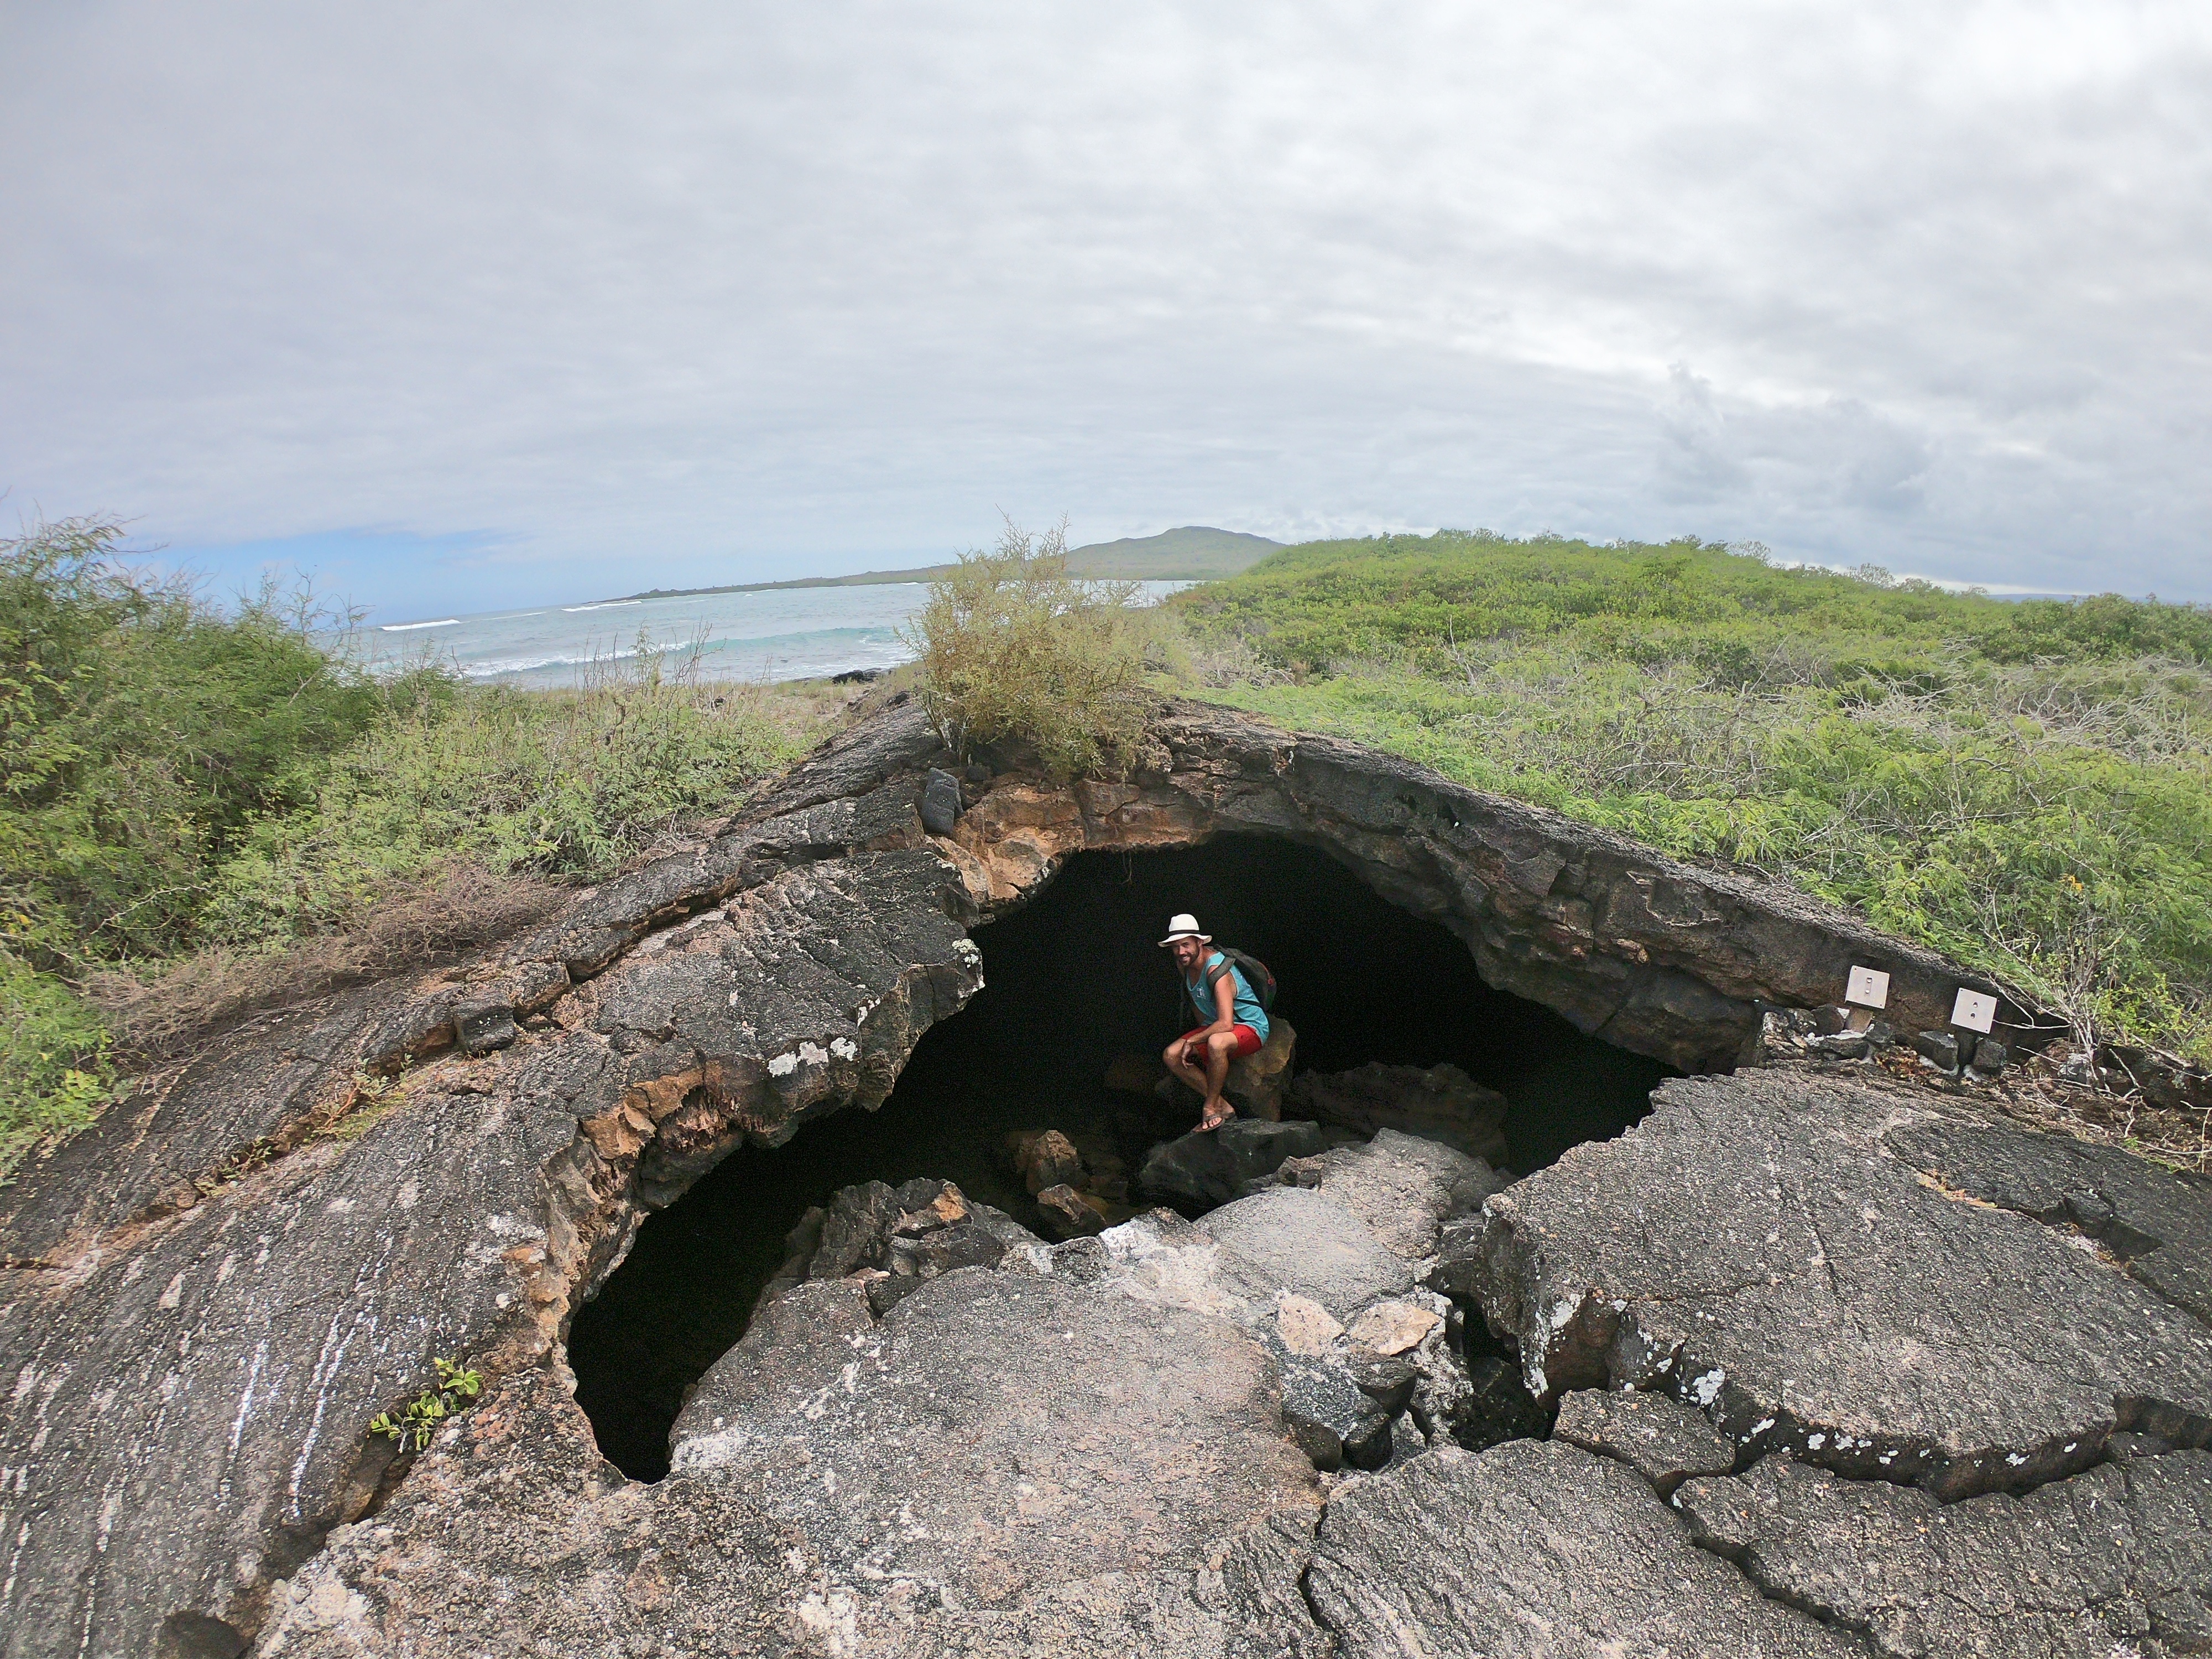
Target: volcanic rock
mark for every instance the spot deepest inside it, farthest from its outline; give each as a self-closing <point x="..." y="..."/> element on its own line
<point x="1045" y="1158"/>
<point x="817" y="1506"/>
<point x="1401" y="1185"/>
<point x="213" y="1290"/>
<point x="1442" y="1103"/>
<point x="2157" y="1221"/>
<point x="1256" y="1082"/>
<point x="1662" y="1440"/>
<point x="941" y="803"/>
<point x="1068" y="1214"/>
<point x="1289" y="1238"/>
<point x="1939" y="1048"/>
<point x="1213" y="1166"/>
<point x="1305" y="1328"/>
<point x="2118" y="1559"/>
<point x="1391" y="1327"/>
<point x="1778" y="1249"/>
<point x="1535" y="1548"/>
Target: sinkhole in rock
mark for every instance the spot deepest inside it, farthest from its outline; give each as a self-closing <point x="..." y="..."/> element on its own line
<point x="1072" y="980"/>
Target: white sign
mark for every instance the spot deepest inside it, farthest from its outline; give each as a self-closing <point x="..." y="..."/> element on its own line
<point x="1868" y="987"/>
<point x="1974" y="1010"/>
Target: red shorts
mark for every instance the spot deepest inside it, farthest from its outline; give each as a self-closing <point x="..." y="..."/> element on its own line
<point x="1247" y="1039"/>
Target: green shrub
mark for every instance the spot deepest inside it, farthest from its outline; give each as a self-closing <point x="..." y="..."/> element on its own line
<point x="186" y="791"/>
<point x="563" y="783"/>
<point x="1011" y="646"/>
<point x="141" y="731"/>
<point x="2027" y="788"/>
<point x="54" y="1068"/>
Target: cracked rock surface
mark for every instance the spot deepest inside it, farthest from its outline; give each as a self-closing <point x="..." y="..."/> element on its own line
<point x="2115" y="1560"/>
<point x="2156" y="1221"/>
<point x="1534" y="1548"/>
<point x="1662" y="1439"/>
<point x="209" y="1295"/>
<point x="1778" y="1249"/>
<point x="1078" y="1449"/>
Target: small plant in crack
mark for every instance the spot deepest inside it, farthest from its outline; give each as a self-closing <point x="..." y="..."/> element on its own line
<point x="254" y="1155"/>
<point x="374" y="1094"/>
<point x="412" y="1427"/>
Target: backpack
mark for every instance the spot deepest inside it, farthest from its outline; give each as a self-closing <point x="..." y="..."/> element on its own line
<point x="1255" y="976"/>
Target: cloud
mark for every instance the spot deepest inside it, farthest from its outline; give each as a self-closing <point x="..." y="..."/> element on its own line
<point x="546" y="296"/>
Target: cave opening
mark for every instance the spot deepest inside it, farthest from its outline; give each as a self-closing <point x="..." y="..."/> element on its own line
<point x="1072" y="981"/>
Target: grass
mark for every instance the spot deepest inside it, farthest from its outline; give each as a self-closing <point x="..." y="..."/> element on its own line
<point x="2024" y="787"/>
<point x="558" y="783"/>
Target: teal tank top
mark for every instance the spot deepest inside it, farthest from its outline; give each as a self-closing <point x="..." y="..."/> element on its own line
<point x="1248" y="1010"/>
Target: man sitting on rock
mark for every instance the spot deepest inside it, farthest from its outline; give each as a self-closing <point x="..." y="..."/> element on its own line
<point x="1236" y="1024"/>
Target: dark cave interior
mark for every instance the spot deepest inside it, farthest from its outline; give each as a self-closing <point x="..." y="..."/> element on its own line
<point x="1072" y="980"/>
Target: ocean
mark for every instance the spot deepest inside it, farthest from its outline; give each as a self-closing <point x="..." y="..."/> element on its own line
<point x="786" y="634"/>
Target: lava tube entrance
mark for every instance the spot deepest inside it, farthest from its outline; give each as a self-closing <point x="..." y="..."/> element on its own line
<point x="1072" y="981"/>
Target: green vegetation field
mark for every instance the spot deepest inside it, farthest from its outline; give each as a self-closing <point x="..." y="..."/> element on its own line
<point x="2027" y="786"/>
<point x="199" y="805"/>
<point x="202" y="807"/>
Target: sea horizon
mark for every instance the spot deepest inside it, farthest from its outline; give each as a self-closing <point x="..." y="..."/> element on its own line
<point x="788" y="634"/>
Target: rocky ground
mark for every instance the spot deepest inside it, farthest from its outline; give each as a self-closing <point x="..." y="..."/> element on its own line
<point x="1811" y="1361"/>
<point x="1832" y="1373"/>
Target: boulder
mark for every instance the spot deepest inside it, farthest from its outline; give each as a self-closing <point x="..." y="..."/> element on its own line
<point x="2118" y="1559"/>
<point x="1306" y="1242"/>
<point x="914" y="1231"/>
<point x="1256" y="1082"/>
<point x="1535" y="1549"/>
<point x="1078" y="1409"/>
<point x="1391" y="1327"/>
<point x="1068" y="1214"/>
<point x="1212" y="1166"/>
<point x="1778" y="1248"/>
<point x="1939" y="1048"/>
<point x="1304" y="1327"/>
<point x="1045" y="1158"/>
<point x="1331" y="1420"/>
<point x="940" y="802"/>
<point x="1440" y="1104"/>
<point x="1401" y="1186"/>
<point x="1294" y="1265"/>
<point x="1388" y="1379"/>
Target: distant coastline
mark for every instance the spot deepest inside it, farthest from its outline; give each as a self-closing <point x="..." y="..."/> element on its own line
<point x="1193" y="553"/>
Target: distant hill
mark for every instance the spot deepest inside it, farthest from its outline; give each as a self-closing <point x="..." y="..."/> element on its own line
<point x="1193" y="553"/>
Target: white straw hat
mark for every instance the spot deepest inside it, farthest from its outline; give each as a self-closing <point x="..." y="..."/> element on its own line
<point x="1185" y="925"/>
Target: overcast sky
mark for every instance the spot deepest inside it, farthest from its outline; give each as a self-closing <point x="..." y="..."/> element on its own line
<point x="472" y="305"/>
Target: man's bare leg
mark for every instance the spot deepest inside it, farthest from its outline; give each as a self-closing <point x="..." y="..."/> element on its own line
<point x="1178" y="1061"/>
<point x="1208" y="1081"/>
<point x="1217" y="1110"/>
